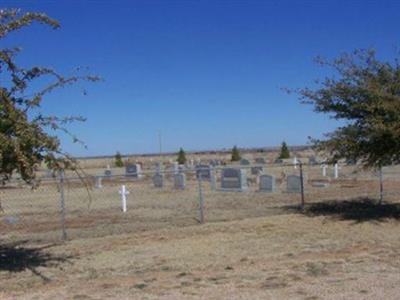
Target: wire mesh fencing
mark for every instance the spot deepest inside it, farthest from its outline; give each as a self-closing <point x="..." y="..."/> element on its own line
<point x="66" y="207"/>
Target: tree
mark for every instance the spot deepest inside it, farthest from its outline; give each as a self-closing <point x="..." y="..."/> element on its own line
<point x="25" y="139"/>
<point x="235" y="156"/>
<point x="364" y="92"/>
<point x="181" y="157"/>
<point x="284" y="154"/>
<point x="118" y="160"/>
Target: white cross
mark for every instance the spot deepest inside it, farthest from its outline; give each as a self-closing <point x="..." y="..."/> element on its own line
<point x="123" y="192"/>
<point x="295" y="162"/>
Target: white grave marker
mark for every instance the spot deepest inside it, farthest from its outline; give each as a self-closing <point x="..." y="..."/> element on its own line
<point x="336" y="171"/>
<point x="99" y="182"/>
<point x="295" y="162"/>
<point x="123" y="192"/>
<point x="323" y="167"/>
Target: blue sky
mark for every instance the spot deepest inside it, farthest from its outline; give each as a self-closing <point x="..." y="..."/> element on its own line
<point x="207" y="74"/>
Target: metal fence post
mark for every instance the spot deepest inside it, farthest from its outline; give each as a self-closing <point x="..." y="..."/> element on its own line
<point x="201" y="201"/>
<point x="380" y="185"/>
<point x="62" y="207"/>
<point x="302" y="184"/>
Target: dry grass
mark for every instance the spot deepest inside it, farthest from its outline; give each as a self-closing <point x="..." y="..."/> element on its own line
<point x="277" y="257"/>
<point x="253" y="246"/>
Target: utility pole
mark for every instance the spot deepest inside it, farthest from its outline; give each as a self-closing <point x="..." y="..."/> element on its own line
<point x="159" y="142"/>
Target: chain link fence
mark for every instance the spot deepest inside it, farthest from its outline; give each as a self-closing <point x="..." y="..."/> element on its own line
<point x="65" y="207"/>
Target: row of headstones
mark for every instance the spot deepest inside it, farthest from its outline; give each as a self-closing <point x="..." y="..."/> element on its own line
<point x="134" y="170"/>
<point x="235" y="179"/>
<point x="232" y="180"/>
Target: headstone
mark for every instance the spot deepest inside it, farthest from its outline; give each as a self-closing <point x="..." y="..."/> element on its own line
<point x="336" y="171"/>
<point x="260" y="160"/>
<point x="204" y="171"/>
<point x="295" y="162"/>
<point x="320" y="184"/>
<point x="107" y="173"/>
<point x="175" y="167"/>
<point x="159" y="168"/>
<point x="181" y="168"/>
<point x="244" y="162"/>
<point x="133" y="170"/>
<point x="257" y="170"/>
<point x="99" y="182"/>
<point x="213" y="180"/>
<point x="158" y="180"/>
<point x="312" y="160"/>
<point x="267" y="183"/>
<point x="293" y="184"/>
<point x="323" y="167"/>
<point x="180" y="181"/>
<point x="233" y="179"/>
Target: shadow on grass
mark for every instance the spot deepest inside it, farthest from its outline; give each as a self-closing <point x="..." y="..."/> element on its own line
<point x="359" y="210"/>
<point x="18" y="258"/>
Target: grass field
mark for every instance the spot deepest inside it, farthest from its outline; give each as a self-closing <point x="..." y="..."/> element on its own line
<point x="253" y="246"/>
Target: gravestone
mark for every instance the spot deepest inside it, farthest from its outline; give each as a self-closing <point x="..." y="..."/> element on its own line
<point x="267" y="183"/>
<point x="99" y="184"/>
<point x="158" y="180"/>
<point x="180" y="181"/>
<point x="336" y="169"/>
<point x="233" y="179"/>
<point x="181" y="169"/>
<point x="320" y="184"/>
<point x="260" y="160"/>
<point x="257" y="170"/>
<point x="175" y="167"/>
<point x="204" y="171"/>
<point x="293" y="184"/>
<point x="295" y="162"/>
<point x="159" y="168"/>
<point x="133" y="170"/>
<point x="244" y="162"/>
<point x="107" y="173"/>
<point x="324" y="167"/>
<point x="213" y="180"/>
<point x="351" y="162"/>
<point x="312" y="160"/>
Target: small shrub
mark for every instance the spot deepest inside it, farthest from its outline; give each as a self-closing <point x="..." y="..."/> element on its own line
<point x="118" y="160"/>
<point x="235" y="154"/>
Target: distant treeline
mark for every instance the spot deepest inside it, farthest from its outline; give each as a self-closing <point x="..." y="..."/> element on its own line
<point x="222" y="151"/>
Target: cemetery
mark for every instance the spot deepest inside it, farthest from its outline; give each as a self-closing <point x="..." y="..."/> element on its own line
<point x="229" y="192"/>
<point x="197" y="169"/>
<point x="171" y="202"/>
